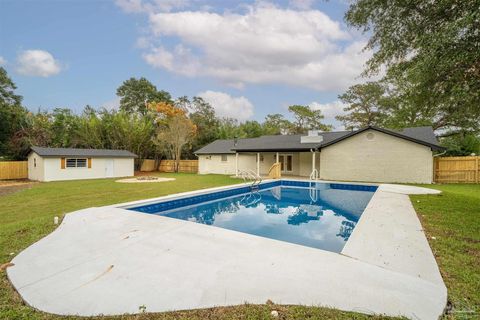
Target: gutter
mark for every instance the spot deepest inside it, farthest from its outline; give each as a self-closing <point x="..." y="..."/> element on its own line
<point x="439" y="154"/>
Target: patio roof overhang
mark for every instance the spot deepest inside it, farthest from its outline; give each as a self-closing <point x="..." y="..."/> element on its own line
<point x="276" y="150"/>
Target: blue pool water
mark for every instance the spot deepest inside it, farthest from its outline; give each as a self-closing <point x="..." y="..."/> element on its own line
<point x="320" y="215"/>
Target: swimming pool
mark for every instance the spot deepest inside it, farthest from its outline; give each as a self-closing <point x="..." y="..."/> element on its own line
<point x="318" y="215"/>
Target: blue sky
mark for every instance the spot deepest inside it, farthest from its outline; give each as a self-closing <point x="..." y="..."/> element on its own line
<point x="247" y="58"/>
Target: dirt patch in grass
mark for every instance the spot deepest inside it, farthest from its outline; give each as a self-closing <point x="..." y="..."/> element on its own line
<point x="12" y="186"/>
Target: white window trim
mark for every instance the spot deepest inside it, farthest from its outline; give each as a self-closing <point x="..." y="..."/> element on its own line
<point x="285" y="164"/>
<point x="76" y="163"/>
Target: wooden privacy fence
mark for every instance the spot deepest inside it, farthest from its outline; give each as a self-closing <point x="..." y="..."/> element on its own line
<point x="186" y="166"/>
<point x="13" y="170"/>
<point x="148" y="165"/>
<point x="457" y="169"/>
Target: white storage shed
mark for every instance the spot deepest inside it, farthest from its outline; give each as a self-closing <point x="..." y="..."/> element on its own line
<point x="53" y="164"/>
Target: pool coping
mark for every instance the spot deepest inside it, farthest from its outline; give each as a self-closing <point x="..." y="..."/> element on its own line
<point x="145" y="202"/>
<point x="130" y="204"/>
<point x="363" y="251"/>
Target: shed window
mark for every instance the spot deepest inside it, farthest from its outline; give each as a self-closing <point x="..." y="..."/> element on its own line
<point x="34" y="162"/>
<point x="224" y="157"/>
<point x="76" y="163"/>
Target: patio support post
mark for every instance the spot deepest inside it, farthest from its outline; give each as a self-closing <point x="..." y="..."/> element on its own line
<point x="278" y="157"/>
<point x="236" y="164"/>
<point x="313" y="161"/>
<point x="318" y="165"/>
<point x="258" y="163"/>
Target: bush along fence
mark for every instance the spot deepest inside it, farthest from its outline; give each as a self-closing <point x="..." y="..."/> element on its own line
<point x="13" y="170"/>
<point x="457" y="169"/>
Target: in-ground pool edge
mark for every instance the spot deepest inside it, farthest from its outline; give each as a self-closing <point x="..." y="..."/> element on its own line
<point x="355" y="247"/>
<point x="137" y="203"/>
<point x="442" y="291"/>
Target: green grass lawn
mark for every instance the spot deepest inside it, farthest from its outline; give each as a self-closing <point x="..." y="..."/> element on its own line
<point x="27" y="215"/>
<point x="451" y="221"/>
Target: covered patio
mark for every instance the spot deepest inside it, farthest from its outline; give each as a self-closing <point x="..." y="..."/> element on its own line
<point x="278" y="164"/>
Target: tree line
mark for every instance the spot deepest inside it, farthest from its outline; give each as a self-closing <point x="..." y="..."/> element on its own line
<point x="148" y="122"/>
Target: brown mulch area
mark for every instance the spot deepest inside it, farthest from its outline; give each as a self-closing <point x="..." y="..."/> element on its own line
<point x="11" y="186"/>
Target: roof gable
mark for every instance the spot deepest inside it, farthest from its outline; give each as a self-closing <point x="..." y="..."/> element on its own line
<point x="421" y="135"/>
<point x="73" y="152"/>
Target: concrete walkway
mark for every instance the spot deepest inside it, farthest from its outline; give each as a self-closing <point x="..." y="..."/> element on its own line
<point x="112" y="261"/>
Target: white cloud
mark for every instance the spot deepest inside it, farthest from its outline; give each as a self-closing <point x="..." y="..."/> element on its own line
<point x="180" y="60"/>
<point x="37" y="63"/>
<point x="266" y="44"/>
<point x="142" y="43"/>
<point x="111" y="104"/>
<point x="227" y="106"/>
<point x="2" y="61"/>
<point x="151" y="6"/>
<point x="301" y="4"/>
<point x="330" y="110"/>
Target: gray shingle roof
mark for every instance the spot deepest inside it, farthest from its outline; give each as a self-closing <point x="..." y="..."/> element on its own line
<point x="72" y="152"/>
<point x="421" y="135"/>
<point x="220" y="146"/>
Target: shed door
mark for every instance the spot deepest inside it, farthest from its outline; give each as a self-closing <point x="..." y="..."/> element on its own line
<point x="108" y="168"/>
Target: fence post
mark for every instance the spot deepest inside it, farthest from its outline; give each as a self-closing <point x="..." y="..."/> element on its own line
<point x="477" y="170"/>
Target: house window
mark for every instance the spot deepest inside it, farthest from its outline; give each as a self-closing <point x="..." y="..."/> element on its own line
<point x="34" y="162"/>
<point x="261" y="158"/>
<point x="76" y="163"/>
<point x="224" y="157"/>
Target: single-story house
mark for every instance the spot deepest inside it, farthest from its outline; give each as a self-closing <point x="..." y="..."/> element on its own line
<point x="52" y="164"/>
<point x="370" y="154"/>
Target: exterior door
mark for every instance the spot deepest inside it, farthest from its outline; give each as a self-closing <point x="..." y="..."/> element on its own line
<point x="286" y="162"/>
<point x="108" y="168"/>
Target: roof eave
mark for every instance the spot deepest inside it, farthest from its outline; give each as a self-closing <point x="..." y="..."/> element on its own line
<point x="389" y="132"/>
<point x="278" y="150"/>
<point x="206" y="153"/>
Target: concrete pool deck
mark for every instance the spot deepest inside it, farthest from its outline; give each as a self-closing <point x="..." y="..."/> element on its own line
<point x="109" y="261"/>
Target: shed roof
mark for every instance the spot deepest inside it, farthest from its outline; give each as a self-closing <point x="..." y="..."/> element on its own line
<point x="73" y="152"/>
<point x="421" y="135"/>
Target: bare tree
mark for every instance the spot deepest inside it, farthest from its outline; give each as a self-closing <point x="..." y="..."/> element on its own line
<point x="178" y="132"/>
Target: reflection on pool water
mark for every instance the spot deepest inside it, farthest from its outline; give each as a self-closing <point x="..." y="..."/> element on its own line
<point x="321" y="217"/>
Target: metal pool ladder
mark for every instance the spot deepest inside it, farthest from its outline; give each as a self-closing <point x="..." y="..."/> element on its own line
<point x="251" y="199"/>
<point x="313" y="185"/>
<point x="251" y="176"/>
